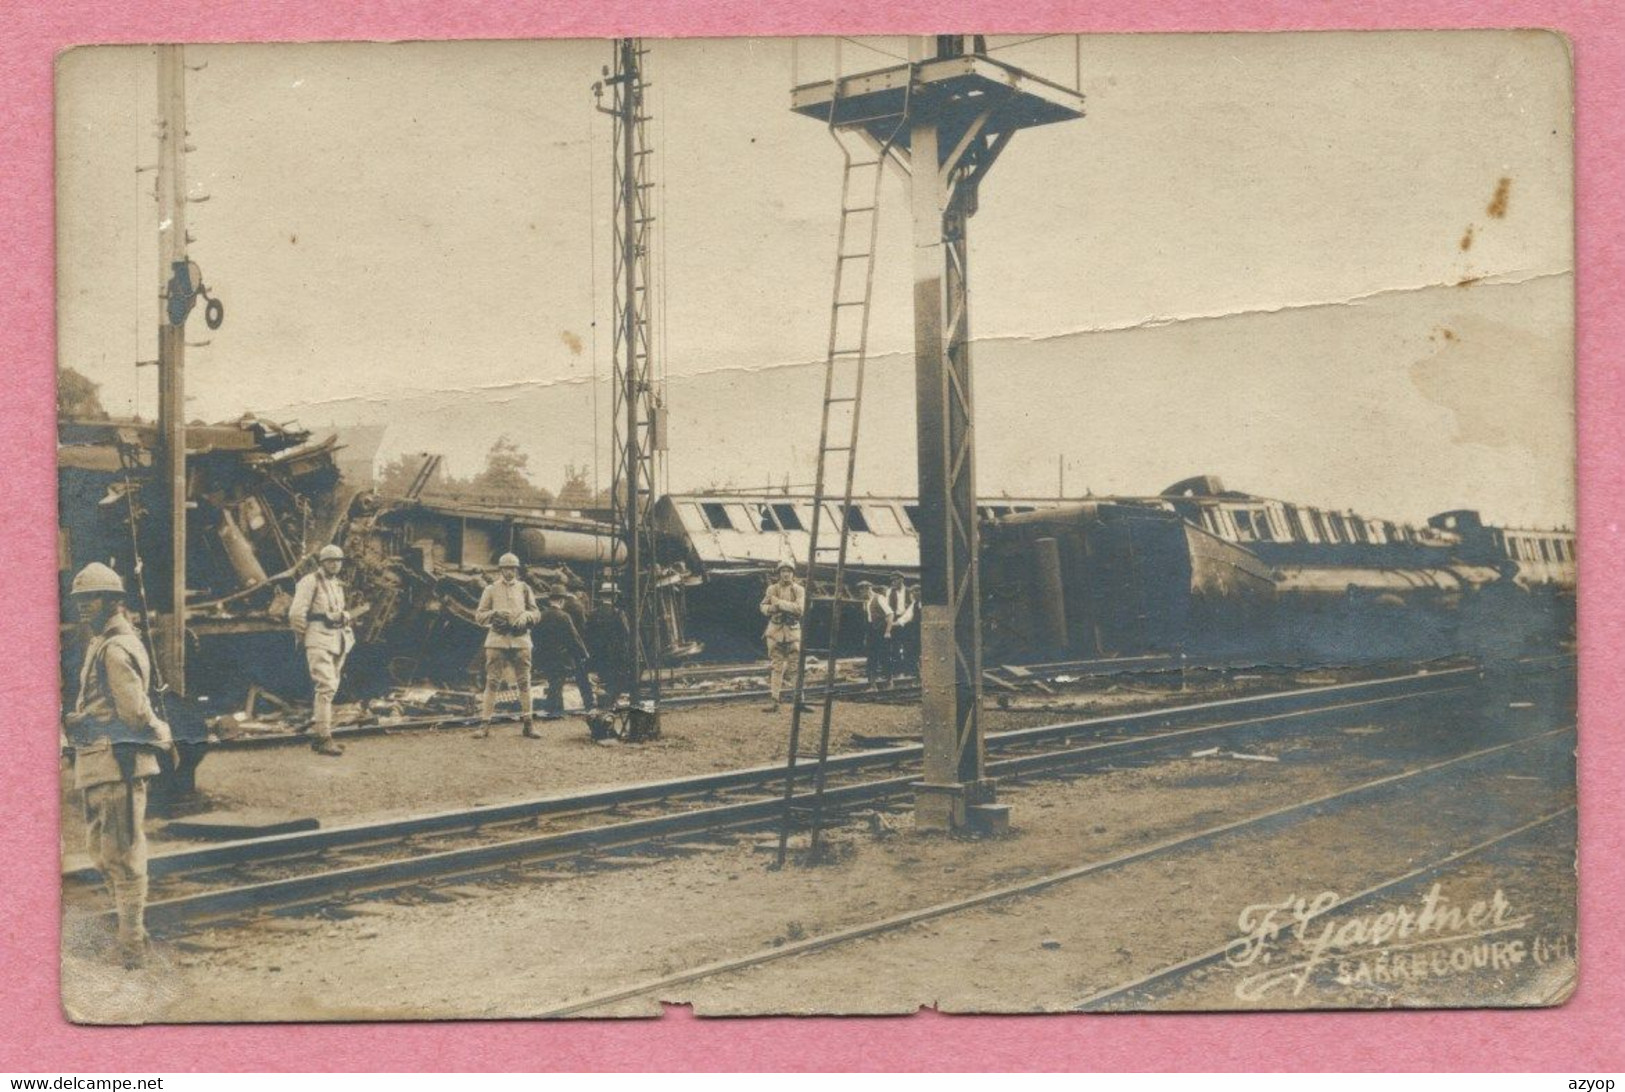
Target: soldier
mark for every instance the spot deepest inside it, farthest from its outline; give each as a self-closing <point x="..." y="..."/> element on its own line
<point x="114" y="737"/>
<point x="322" y="624"/>
<point x="507" y="610"/>
<point x="575" y="605"/>
<point x="609" y="641"/>
<point x="782" y="605"/>
<point x="559" y="651"/>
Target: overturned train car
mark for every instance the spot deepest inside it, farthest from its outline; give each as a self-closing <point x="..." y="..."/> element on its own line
<point x="1226" y="576"/>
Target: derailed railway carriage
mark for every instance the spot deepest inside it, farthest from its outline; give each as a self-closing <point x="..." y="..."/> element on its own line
<point x="1197" y="569"/>
<point x="1230" y="576"/>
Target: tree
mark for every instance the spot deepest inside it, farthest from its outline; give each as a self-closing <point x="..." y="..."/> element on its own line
<point x="507" y="469"/>
<point x="77" y="397"/>
<point x="576" y="492"/>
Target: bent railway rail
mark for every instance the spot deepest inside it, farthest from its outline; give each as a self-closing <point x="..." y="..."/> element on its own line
<point x="274" y="873"/>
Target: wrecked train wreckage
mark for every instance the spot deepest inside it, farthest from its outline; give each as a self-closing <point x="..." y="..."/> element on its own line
<point x="262" y="498"/>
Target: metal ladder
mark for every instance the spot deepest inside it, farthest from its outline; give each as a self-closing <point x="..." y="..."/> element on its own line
<point x="848" y="351"/>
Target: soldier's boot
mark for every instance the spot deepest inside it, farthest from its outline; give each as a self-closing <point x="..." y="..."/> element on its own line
<point x="323" y="727"/>
<point x="130" y="900"/>
<point x="529" y="730"/>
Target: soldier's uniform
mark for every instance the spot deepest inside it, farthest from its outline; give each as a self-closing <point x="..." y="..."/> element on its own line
<point x="577" y="610"/>
<point x="508" y="610"/>
<point x="783" y="607"/>
<point x="115" y="735"/>
<point x="559" y="652"/>
<point x="318" y="617"/>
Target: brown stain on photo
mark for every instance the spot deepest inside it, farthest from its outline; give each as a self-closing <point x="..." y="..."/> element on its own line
<point x="1497" y="207"/>
<point x="1467" y="238"/>
<point x="572" y="341"/>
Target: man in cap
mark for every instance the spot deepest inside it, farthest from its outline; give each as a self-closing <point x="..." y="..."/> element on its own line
<point x="507" y="610"/>
<point x="783" y="605"/>
<point x="322" y="624"/>
<point x="609" y="641"/>
<point x="577" y="604"/>
<point x="115" y="736"/>
<point x="900" y="616"/>
<point x="877" y="624"/>
<point x="560" y="651"/>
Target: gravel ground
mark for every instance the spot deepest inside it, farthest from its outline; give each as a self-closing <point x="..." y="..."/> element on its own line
<point x="530" y="943"/>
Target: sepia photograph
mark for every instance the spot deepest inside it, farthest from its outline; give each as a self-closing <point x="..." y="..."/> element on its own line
<point x="846" y="525"/>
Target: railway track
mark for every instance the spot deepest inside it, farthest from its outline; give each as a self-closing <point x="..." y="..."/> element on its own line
<point x="310" y="869"/>
<point x="1409" y="778"/>
<point x="681" y="696"/>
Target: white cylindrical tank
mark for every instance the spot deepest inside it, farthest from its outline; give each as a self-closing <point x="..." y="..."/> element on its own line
<point x="537" y="545"/>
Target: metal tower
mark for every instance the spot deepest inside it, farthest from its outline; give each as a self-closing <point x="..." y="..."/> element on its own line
<point x="634" y="406"/>
<point x="957" y="110"/>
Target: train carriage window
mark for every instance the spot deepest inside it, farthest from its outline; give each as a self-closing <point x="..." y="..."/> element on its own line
<point x="1294" y="524"/>
<point x="1261" y="524"/>
<point x="692" y="517"/>
<point x="911" y="512"/>
<point x="716" y="516"/>
<point x="882" y="519"/>
<point x="1339" y="530"/>
<point x="1245" y="532"/>
<point x="856" y="521"/>
<point x="789" y="518"/>
<point x="764" y="518"/>
<point x="1510" y="545"/>
<point x="1545" y="555"/>
<point x="1357" y="529"/>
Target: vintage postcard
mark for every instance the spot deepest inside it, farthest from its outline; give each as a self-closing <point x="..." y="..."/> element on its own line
<point x="1034" y="523"/>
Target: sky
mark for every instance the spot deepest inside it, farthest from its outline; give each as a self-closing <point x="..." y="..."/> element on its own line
<point x="1287" y="259"/>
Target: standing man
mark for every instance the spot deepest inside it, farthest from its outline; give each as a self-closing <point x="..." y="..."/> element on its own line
<point x="322" y="624"/>
<point x="876" y="645"/>
<point x="115" y="736"/>
<point x="560" y="652"/>
<point x="575" y="605"/>
<point x="783" y="606"/>
<point x="898" y="608"/>
<point x="609" y="642"/>
<point x="507" y="610"/>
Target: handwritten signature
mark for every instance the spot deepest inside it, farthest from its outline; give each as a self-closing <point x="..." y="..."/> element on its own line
<point x="1290" y="940"/>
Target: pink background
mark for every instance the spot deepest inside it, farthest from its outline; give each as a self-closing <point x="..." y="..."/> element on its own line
<point x="1583" y="1036"/>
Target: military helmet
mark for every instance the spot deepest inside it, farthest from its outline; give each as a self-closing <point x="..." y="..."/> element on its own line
<point x="97" y="579"/>
<point x="786" y="566"/>
<point x="330" y="552"/>
<point x="508" y="561"/>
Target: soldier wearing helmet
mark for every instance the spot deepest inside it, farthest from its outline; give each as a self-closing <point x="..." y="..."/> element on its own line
<point x="783" y="606"/>
<point x="507" y="610"/>
<point x="322" y="624"/>
<point x="115" y="737"/>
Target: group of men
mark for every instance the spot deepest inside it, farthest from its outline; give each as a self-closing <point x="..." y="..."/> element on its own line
<point x="566" y="640"/>
<point x="551" y="630"/>
<point x="891" y="630"/>
<point x="891" y="636"/>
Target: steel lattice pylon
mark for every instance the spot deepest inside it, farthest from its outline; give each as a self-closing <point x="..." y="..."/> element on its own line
<point x="634" y="405"/>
